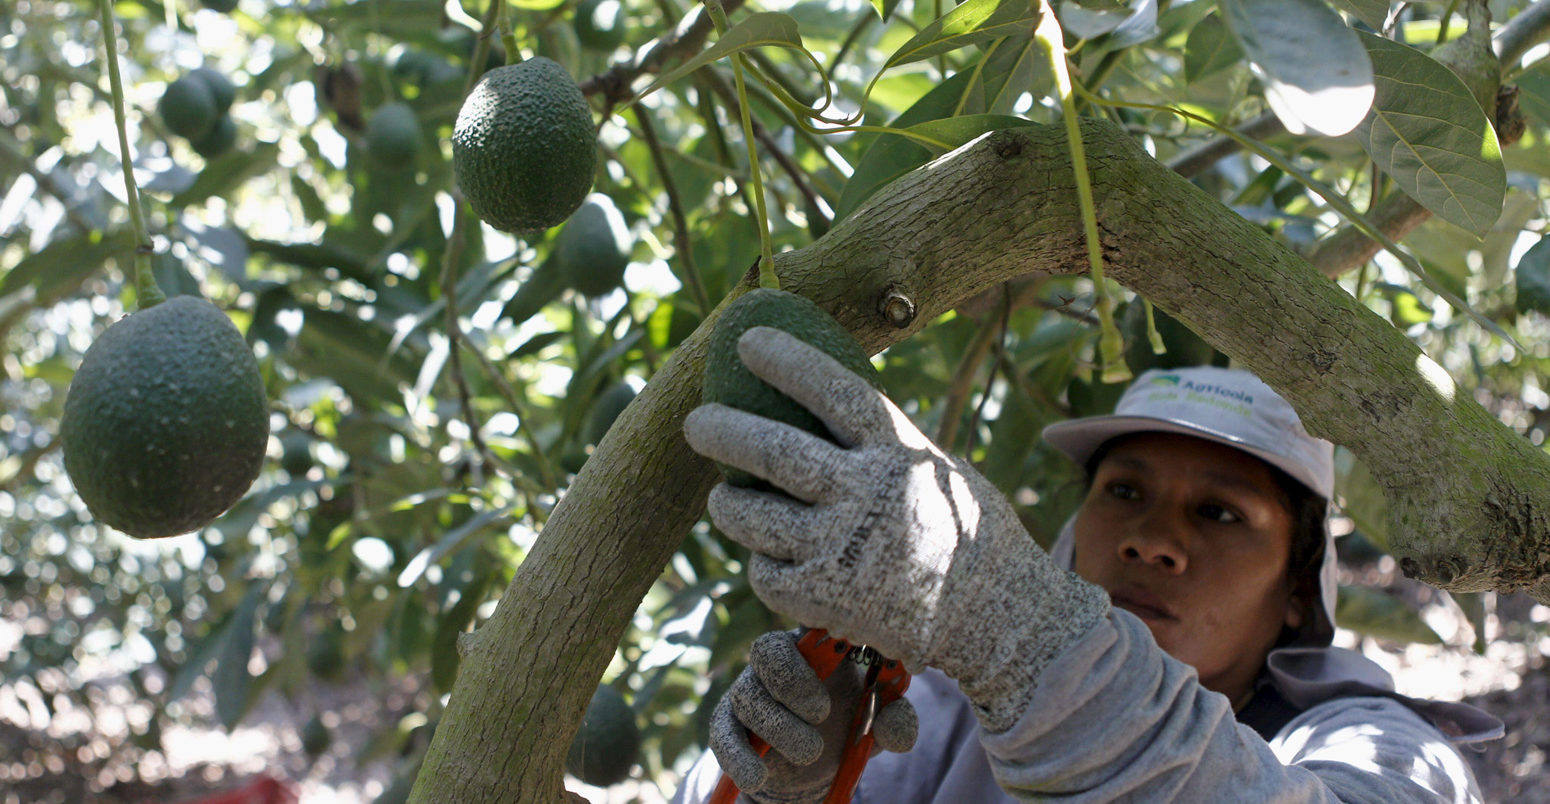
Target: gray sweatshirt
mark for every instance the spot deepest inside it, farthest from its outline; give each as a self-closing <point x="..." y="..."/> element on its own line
<point x="1114" y="718"/>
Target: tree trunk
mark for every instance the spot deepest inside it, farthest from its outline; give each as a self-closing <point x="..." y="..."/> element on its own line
<point x="1467" y="494"/>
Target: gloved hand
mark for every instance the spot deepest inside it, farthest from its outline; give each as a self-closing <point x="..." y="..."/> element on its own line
<point x="885" y="540"/>
<point x="806" y="722"/>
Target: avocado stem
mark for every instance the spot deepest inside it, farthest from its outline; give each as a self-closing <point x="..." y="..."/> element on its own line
<point x="767" y="278"/>
<point x="1111" y="347"/>
<point x="147" y="294"/>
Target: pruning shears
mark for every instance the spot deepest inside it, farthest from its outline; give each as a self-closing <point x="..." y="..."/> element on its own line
<point x="886" y="681"/>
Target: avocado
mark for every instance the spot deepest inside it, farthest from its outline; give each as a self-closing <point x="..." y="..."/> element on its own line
<point x="296" y="453"/>
<point x="221" y="89"/>
<point x="166" y="421"/>
<point x="599" y="24"/>
<point x="523" y="148"/>
<point x="393" y="136"/>
<point x="729" y="382"/>
<point x="606" y="409"/>
<point x="316" y="736"/>
<point x="593" y="249"/>
<point x="187" y="107"/>
<point x="220" y="139"/>
<point x="608" y="742"/>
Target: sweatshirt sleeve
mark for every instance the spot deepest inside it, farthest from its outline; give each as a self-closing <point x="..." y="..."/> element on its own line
<point x="1114" y="718"/>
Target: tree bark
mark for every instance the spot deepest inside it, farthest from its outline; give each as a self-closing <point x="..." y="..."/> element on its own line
<point x="1468" y="496"/>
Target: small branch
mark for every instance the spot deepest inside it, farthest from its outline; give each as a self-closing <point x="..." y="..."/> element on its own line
<point x="449" y="258"/>
<point x="797" y="175"/>
<point x="1194" y="161"/>
<point x="675" y="208"/>
<point x="46" y="182"/>
<point x="961" y="386"/>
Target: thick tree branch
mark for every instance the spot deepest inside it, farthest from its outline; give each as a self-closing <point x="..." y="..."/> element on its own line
<point x="1470" y="499"/>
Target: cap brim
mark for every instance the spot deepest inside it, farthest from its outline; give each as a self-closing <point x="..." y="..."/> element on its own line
<point x="1080" y="438"/>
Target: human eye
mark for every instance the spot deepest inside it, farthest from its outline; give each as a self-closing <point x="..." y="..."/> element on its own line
<point x="1123" y="490"/>
<point x="1219" y="513"/>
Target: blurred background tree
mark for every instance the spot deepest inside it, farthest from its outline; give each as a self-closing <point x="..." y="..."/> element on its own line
<point x="435" y="387"/>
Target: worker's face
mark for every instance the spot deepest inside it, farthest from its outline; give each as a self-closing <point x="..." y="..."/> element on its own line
<point x="1192" y="537"/>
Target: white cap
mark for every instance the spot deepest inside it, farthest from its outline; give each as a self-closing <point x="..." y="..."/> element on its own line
<point x="1228" y="406"/>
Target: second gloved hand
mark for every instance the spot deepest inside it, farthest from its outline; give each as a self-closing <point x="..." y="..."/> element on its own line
<point x="806" y="722"/>
<point x="886" y="540"/>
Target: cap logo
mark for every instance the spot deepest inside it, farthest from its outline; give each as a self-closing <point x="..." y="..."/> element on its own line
<point x="1166" y="379"/>
<point x="1212" y="388"/>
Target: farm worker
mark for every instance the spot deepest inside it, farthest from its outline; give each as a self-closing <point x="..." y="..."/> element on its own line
<point x="1173" y="645"/>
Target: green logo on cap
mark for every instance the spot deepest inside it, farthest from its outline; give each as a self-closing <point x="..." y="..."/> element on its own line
<point x="1166" y="379"/>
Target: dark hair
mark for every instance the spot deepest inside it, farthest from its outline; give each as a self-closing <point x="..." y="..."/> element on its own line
<point x="1308" y="511"/>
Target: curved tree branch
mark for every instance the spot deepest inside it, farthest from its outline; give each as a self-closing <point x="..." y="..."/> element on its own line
<point x="1473" y="514"/>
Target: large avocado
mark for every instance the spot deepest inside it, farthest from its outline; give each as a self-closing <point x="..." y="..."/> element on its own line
<point x="608" y="742"/>
<point x="523" y="148"/>
<point x="188" y="107"/>
<point x="729" y="382"/>
<point x="593" y="249"/>
<point x="393" y="136"/>
<point x="166" y="421"/>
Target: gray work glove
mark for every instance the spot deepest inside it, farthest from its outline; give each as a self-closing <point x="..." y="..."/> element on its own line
<point x="806" y="722"/>
<point x="885" y="540"/>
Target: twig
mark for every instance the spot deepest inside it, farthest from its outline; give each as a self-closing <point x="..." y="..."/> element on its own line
<point x="675" y="207"/>
<point x="990" y="381"/>
<point x="795" y="172"/>
<point x="1193" y="161"/>
<point x="449" y="259"/>
<point x="961" y="386"/>
<point x="46" y="182"/>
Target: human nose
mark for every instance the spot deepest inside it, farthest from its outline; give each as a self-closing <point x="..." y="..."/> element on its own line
<point x="1156" y="541"/>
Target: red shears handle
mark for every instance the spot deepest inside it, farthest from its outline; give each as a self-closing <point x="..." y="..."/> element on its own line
<point x="886" y="683"/>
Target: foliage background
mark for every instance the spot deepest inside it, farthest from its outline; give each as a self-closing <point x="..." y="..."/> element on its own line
<point x="415" y="455"/>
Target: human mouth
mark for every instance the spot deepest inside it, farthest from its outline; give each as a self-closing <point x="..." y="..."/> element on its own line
<point x="1141" y="603"/>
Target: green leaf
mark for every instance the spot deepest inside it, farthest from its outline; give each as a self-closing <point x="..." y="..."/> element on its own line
<point x="226" y="173"/>
<point x="1534" y="93"/>
<point x="973" y="22"/>
<point x="1009" y="444"/>
<point x="885" y="8"/>
<point x="1373" y="13"/>
<point x="64" y="264"/>
<point x="1406" y="309"/>
<point x="748" y="619"/>
<point x="231" y="679"/>
<point x="1210" y="47"/>
<point x="1315" y="72"/>
<point x="1427" y="132"/>
<point x="764" y="29"/>
<point x="452" y="540"/>
<point x="1125" y="25"/>
<point x="1362" y="500"/>
<point x="1532" y="278"/>
<point x="890" y="157"/>
<point x="449" y="626"/>
<point x="954" y="132"/>
<point x="1010" y="67"/>
<point x="1376" y="614"/>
